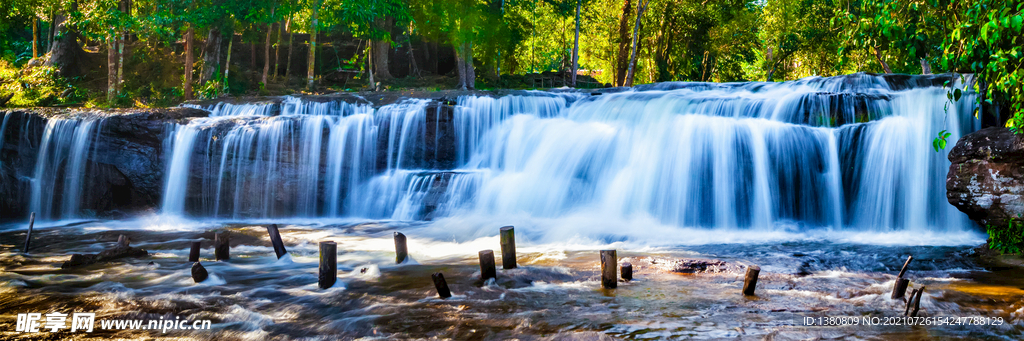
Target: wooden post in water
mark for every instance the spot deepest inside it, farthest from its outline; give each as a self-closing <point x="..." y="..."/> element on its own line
<point x="609" y="263"/>
<point x="401" y="249"/>
<point x="441" y="285"/>
<point x="487" y="265"/>
<point x="627" y="271"/>
<point x="328" y="264"/>
<point x="28" y="236"/>
<point x="221" y="246"/>
<point x="750" y="282"/>
<point x="900" y="287"/>
<point x="199" y="272"/>
<point x="508" y="247"/>
<point x="193" y="254"/>
<point x="275" y="238"/>
<point x="917" y="302"/>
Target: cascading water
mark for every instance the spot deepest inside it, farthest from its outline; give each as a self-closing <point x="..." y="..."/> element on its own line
<point x="57" y="186"/>
<point x="842" y="152"/>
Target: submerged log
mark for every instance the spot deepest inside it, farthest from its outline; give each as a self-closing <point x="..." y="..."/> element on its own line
<point x="627" y="271"/>
<point x="441" y="285"/>
<point x="487" y="265"/>
<point x="275" y="239"/>
<point x="328" y="265"/>
<point x="120" y="250"/>
<point x="28" y="236"/>
<point x="609" y="262"/>
<point x="508" y="247"/>
<point x="401" y="249"/>
<point x="199" y="272"/>
<point x="750" y="281"/>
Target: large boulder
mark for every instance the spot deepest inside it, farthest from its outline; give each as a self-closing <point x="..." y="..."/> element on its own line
<point x="986" y="179"/>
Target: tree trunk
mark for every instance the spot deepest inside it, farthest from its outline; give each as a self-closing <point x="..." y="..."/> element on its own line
<point x="414" y="69"/>
<point x="380" y="59"/>
<point x="35" y="38"/>
<point x="576" y="46"/>
<point x="369" y="64"/>
<point x="125" y="7"/>
<point x="188" y="63"/>
<point x="266" y="53"/>
<point x="111" y="68"/>
<point x="470" y="69"/>
<point x="664" y="44"/>
<point x="641" y="6"/>
<point x="120" y="62"/>
<point x="460" y="65"/>
<point x="878" y="56"/>
<point x="277" y="48"/>
<point x="53" y="27"/>
<point x="288" y="64"/>
<point x="312" y="48"/>
<point x="621" y="62"/>
<point x="227" y="61"/>
<point x="66" y="52"/>
<point x="926" y="68"/>
<point x="212" y="57"/>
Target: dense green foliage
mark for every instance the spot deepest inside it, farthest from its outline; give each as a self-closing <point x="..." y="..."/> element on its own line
<point x="515" y="43"/>
<point x="1007" y="240"/>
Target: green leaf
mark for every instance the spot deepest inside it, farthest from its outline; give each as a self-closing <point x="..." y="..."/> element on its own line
<point x="956" y="95"/>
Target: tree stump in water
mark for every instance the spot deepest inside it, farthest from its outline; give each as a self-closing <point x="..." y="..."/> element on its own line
<point x="609" y="263"/>
<point x="627" y="271"/>
<point x="193" y="254"/>
<point x="275" y="239"/>
<point x="328" y="265"/>
<point x="221" y="246"/>
<point x="487" y="265"/>
<point x="750" y="281"/>
<point x="441" y="285"/>
<point x="508" y="247"/>
<point x="401" y="249"/>
<point x="900" y="287"/>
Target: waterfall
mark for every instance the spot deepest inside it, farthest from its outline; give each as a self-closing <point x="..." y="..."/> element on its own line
<point x="848" y="152"/>
<point x="61" y="166"/>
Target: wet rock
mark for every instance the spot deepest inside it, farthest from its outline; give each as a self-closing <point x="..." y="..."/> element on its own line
<point x="199" y="272"/>
<point x="986" y="178"/>
<point x="697" y="266"/>
<point x="681" y="265"/>
<point x="117" y="252"/>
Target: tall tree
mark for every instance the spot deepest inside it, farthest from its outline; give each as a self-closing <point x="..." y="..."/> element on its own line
<point x="641" y="7"/>
<point x="312" y="45"/>
<point x="189" y="61"/>
<point x="622" y="63"/>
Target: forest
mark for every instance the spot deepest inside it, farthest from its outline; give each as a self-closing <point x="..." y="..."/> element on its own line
<point x="152" y="53"/>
